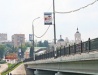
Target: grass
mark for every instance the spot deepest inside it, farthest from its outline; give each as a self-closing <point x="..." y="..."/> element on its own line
<point x="10" y="68"/>
<point x="10" y="65"/>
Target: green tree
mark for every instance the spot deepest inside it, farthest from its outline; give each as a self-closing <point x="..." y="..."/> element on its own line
<point x="28" y="44"/>
<point x="9" y="48"/>
<point x="2" y="51"/>
<point x="31" y="52"/>
<point x="45" y="43"/>
<point x="15" y="49"/>
<point x="40" y="44"/>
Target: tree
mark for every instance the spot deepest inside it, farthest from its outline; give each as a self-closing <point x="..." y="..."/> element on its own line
<point x="9" y="48"/>
<point x="40" y="44"/>
<point x="28" y="44"/>
<point x="15" y="49"/>
<point x="46" y="43"/>
<point x="2" y="50"/>
<point x="31" y="52"/>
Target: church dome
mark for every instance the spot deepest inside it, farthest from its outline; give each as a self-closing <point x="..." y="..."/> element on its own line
<point x="77" y="33"/>
<point x="60" y="39"/>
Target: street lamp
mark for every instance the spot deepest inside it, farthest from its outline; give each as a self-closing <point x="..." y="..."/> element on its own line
<point x="33" y="36"/>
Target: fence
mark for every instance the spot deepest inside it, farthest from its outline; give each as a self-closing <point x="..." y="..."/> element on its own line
<point x="83" y="47"/>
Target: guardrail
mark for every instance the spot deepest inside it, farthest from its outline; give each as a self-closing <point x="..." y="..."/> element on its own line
<point x="83" y="47"/>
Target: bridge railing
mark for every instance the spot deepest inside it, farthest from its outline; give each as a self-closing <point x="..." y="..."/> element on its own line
<point x="82" y="47"/>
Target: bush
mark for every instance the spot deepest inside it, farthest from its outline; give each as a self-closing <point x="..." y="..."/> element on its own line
<point x="2" y="61"/>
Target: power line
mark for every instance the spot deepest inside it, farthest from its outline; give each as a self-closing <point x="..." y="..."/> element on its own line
<point x="43" y="34"/>
<point x="46" y="29"/>
<point x="78" y="8"/>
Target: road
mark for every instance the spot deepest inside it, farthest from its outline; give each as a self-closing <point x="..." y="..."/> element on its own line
<point x="21" y="70"/>
<point x="3" y="67"/>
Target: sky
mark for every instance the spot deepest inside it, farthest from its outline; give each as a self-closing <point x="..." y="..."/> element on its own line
<point x="16" y="17"/>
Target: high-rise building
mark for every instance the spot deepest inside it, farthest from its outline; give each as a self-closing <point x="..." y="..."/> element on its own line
<point x="18" y="40"/>
<point x="3" y="37"/>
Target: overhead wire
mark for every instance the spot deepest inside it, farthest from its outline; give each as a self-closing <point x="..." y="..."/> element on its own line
<point x="46" y="29"/>
<point x="43" y="34"/>
<point x="65" y="13"/>
<point x="77" y="9"/>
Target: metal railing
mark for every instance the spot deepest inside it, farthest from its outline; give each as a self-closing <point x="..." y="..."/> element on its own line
<point x="83" y="47"/>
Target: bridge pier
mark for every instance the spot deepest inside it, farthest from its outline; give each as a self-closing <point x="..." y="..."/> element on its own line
<point x="42" y="72"/>
<point x="29" y="71"/>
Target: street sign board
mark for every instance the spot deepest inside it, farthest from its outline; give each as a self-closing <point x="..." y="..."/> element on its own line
<point x="19" y="51"/>
<point x="48" y="18"/>
<point x="30" y="37"/>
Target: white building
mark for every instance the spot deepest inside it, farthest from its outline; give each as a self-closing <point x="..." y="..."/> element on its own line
<point x="67" y="42"/>
<point x="77" y="37"/>
<point x="60" y="42"/>
<point x="11" y="58"/>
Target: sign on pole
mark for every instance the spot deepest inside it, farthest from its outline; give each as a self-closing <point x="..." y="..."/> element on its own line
<point x="30" y="37"/>
<point x="48" y="18"/>
<point x="19" y="51"/>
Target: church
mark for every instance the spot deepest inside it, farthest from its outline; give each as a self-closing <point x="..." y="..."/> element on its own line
<point x="61" y="42"/>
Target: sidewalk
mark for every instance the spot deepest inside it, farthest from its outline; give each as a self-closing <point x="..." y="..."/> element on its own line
<point x="3" y="67"/>
<point x="20" y="70"/>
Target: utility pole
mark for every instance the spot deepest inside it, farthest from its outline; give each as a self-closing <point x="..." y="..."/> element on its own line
<point x="33" y="36"/>
<point x="55" y="54"/>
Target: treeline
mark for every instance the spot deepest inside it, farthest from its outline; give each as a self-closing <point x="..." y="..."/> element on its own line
<point x="43" y="44"/>
<point x="9" y="48"/>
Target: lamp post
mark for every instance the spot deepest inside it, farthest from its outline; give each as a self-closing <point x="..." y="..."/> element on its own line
<point x="55" y="53"/>
<point x="33" y="36"/>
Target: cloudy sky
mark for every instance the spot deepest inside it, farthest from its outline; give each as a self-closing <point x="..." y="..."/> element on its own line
<point x="16" y="17"/>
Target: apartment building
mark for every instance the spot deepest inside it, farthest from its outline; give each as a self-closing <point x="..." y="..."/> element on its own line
<point x="3" y="37"/>
<point x="18" y="40"/>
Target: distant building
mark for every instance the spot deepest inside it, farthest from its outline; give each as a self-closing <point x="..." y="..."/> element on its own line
<point x="67" y="42"/>
<point x="40" y="50"/>
<point x="18" y="39"/>
<point x="11" y="58"/>
<point x="60" y="42"/>
<point x="3" y="37"/>
<point x="77" y="37"/>
<point x="27" y="53"/>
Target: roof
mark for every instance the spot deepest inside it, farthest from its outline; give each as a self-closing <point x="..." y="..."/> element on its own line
<point x="37" y="48"/>
<point x="11" y="56"/>
<point x="60" y="40"/>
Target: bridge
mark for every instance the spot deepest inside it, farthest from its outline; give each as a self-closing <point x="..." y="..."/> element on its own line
<point x="78" y="59"/>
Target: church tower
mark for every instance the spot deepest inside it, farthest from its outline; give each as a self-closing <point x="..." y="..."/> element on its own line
<point x="77" y="37"/>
